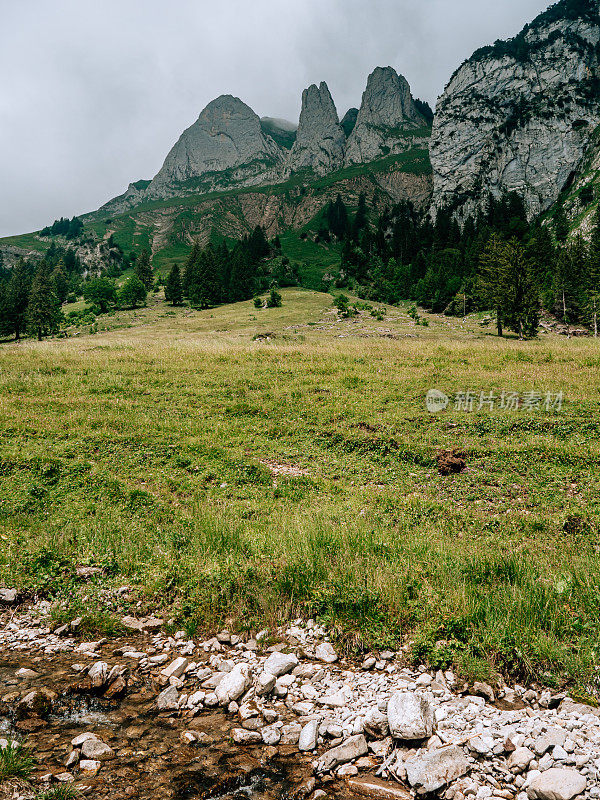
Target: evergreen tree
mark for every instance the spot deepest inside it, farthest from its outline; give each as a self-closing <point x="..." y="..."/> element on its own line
<point x="593" y="275"/>
<point x="258" y="246"/>
<point x="243" y="275"/>
<point x="522" y="310"/>
<point x="43" y="308"/>
<point x="570" y="282"/>
<point x="204" y="289"/>
<point x="360" y="220"/>
<point x="173" y="287"/>
<point x="60" y="284"/>
<point x="274" y="299"/>
<point x="143" y="269"/>
<point x="17" y="298"/>
<point x="491" y="286"/>
<point x="561" y="226"/>
<point x="191" y="268"/>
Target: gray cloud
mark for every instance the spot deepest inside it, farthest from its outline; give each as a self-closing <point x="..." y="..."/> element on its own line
<point x="94" y="94"/>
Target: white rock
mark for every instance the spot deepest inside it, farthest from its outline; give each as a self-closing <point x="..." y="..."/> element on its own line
<point x="271" y="735"/>
<point x="280" y="663"/>
<point x="308" y="736"/>
<point x="95" y="750"/>
<point x="520" y="759"/>
<point x="352" y="748"/>
<point x="430" y="770"/>
<point x="557" y="784"/>
<point x="234" y="684"/>
<point x="325" y="652"/>
<point x="175" y="669"/>
<point x="265" y="683"/>
<point x="98" y="674"/>
<point x="410" y="716"/>
<point x="168" y="699"/>
<point x="242" y="736"/>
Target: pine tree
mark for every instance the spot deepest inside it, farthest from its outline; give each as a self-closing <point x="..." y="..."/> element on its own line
<point x="60" y="283"/>
<point x="506" y="283"/>
<point x="43" y="308"/>
<point x="561" y="225"/>
<point x="243" y="275"/>
<point x="593" y="275"/>
<point x="491" y="286"/>
<point x="143" y="269"/>
<point x="360" y="220"/>
<point x="17" y="298"/>
<point x="570" y="282"/>
<point x="173" y="287"/>
<point x="191" y="268"/>
<point x="522" y="310"/>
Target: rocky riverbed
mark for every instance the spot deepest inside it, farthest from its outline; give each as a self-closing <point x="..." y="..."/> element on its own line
<point x="151" y="715"/>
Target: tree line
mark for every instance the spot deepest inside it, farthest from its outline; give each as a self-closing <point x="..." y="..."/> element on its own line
<point x="495" y="261"/>
<point x="216" y="274"/>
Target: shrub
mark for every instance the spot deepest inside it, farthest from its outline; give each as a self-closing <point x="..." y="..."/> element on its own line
<point x="133" y="293"/>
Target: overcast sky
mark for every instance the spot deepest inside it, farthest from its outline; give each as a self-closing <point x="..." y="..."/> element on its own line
<point x="94" y="93"/>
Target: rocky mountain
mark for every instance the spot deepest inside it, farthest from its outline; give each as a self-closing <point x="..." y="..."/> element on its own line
<point x="519" y="115"/>
<point x="320" y="139"/>
<point x="229" y="147"/>
<point x="227" y="140"/>
<point x="387" y="117"/>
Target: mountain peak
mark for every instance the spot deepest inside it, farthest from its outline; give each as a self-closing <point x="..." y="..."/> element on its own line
<point x="386" y="110"/>
<point x="226" y="136"/>
<point x="320" y="139"/>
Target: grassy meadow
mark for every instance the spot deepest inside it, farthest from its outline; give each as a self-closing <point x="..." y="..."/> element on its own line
<point x="247" y="467"/>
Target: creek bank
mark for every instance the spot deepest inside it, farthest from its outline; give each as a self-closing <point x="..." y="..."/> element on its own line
<point x="159" y="716"/>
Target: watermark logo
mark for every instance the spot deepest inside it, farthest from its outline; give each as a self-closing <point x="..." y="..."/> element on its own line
<point x="469" y="401"/>
<point x="436" y="401"/>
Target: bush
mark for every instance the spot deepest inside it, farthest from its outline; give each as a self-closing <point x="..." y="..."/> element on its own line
<point x="274" y="299"/>
<point x="258" y="302"/>
<point x="100" y="292"/>
<point x="133" y="293"/>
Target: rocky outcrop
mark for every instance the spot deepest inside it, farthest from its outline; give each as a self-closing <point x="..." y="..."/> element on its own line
<point x="518" y="116"/>
<point x="387" y="120"/>
<point x="226" y="142"/>
<point x="320" y="140"/>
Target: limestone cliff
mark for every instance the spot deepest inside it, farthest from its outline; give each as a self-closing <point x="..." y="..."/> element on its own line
<point x="518" y="116"/>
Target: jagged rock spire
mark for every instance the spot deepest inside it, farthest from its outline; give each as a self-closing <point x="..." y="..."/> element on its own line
<point x="320" y="139"/>
<point x="387" y="111"/>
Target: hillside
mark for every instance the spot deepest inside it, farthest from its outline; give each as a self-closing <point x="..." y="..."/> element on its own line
<point x="168" y="227"/>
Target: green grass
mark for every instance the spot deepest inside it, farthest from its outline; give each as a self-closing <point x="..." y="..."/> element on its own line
<point x="148" y="449"/>
<point x="314" y="259"/>
<point x="15" y="762"/>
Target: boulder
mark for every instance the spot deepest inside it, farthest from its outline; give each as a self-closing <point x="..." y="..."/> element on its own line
<point x="352" y="748"/>
<point x="234" y="684"/>
<point x="557" y="784"/>
<point x="96" y="750"/>
<point x="520" y="759"/>
<point x="325" y="652"/>
<point x="280" y="663"/>
<point x="430" y="770"/>
<point x="308" y="736"/>
<point x="168" y="699"/>
<point x="410" y="716"/>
